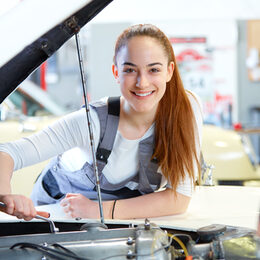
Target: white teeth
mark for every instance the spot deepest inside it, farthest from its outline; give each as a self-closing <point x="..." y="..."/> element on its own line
<point x="143" y="94"/>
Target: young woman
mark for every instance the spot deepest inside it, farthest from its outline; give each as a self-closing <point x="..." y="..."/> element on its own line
<point x="147" y="140"/>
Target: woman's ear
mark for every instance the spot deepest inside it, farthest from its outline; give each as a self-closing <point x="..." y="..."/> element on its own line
<point x="115" y="72"/>
<point x="170" y="71"/>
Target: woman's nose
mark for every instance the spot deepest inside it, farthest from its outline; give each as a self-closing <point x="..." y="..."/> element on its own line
<point x="142" y="80"/>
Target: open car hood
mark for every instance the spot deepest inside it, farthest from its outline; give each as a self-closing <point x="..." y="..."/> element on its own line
<point x="27" y="48"/>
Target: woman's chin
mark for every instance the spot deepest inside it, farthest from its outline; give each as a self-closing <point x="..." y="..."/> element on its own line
<point x="145" y="109"/>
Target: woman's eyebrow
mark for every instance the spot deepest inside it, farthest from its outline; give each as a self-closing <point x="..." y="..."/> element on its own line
<point x="149" y="65"/>
<point x="155" y="63"/>
<point x="129" y="64"/>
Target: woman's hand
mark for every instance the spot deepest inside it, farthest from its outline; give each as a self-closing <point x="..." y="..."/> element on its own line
<point x="18" y="205"/>
<point x="77" y="205"/>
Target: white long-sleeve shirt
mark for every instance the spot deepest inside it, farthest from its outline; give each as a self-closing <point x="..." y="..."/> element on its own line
<point x="69" y="138"/>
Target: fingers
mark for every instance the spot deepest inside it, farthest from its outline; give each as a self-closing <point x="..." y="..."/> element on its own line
<point x="7" y="205"/>
<point x="24" y="207"/>
<point x="67" y="208"/>
<point x="70" y="204"/>
<point x="43" y="214"/>
<point x="69" y="200"/>
<point x="70" y="211"/>
<point x="19" y="206"/>
<point x="71" y="195"/>
<point x="65" y="202"/>
<point x="77" y="205"/>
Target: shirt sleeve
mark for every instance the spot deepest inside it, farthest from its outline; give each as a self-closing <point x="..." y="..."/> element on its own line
<point x="68" y="132"/>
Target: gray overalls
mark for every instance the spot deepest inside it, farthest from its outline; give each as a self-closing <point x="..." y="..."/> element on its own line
<point x="54" y="182"/>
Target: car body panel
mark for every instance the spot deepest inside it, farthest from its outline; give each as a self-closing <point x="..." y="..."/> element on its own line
<point x="225" y="150"/>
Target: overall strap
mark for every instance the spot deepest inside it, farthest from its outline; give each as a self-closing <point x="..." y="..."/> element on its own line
<point x="109" y="121"/>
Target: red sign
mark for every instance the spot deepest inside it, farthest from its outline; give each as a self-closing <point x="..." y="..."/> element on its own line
<point x="188" y="40"/>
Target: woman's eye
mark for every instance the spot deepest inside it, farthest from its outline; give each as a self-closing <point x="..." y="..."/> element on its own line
<point x="154" y="70"/>
<point x="129" y="70"/>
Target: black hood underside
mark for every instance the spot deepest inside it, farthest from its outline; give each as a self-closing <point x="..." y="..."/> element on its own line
<point x="31" y="57"/>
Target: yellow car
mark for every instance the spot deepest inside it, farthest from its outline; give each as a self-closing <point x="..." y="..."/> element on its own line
<point x="231" y="155"/>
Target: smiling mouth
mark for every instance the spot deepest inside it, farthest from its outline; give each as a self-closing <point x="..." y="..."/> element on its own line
<point x="143" y="94"/>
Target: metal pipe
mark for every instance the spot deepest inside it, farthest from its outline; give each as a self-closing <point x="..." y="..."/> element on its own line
<point x="91" y="136"/>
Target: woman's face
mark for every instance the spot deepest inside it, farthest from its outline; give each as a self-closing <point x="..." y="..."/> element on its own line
<point x="142" y="71"/>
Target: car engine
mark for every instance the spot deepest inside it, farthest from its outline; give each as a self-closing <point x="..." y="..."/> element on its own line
<point x="97" y="241"/>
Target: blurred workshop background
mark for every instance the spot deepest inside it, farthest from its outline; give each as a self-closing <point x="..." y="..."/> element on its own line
<point x="216" y="43"/>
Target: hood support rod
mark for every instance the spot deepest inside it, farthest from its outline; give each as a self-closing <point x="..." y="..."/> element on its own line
<point x="91" y="136"/>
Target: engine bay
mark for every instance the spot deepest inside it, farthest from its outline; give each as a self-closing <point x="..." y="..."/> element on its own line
<point x="94" y="240"/>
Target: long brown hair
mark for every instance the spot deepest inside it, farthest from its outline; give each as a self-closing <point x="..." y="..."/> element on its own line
<point x="175" y="130"/>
